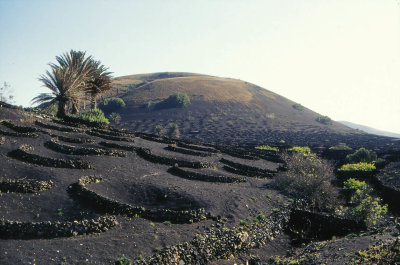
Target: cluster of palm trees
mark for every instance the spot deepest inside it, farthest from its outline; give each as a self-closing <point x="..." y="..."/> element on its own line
<point x="74" y="79"/>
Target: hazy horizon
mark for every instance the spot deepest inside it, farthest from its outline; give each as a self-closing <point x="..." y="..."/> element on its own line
<point x="338" y="58"/>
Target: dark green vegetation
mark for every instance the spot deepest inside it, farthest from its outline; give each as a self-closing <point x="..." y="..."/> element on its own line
<point x="179" y="100"/>
<point x="91" y="116"/>
<point x="78" y="191"/>
<point x="324" y="120"/>
<point x="112" y="104"/>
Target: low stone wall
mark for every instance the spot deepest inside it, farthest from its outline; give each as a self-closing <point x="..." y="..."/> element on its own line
<point x="276" y="158"/>
<point x="204" y="177"/>
<point x="106" y="205"/>
<point x="146" y="154"/>
<point x="119" y="146"/>
<point x="362" y="175"/>
<point x="388" y="190"/>
<point x="16" y="134"/>
<point x="125" y="131"/>
<point x="34" y="230"/>
<point x="337" y="155"/>
<point x="24" y="185"/>
<point x="109" y="137"/>
<point x="74" y="140"/>
<point x="70" y="124"/>
<point x="246" y="170"/>
<point x="47" y="161"/>
<point x="58" y="128"/>
<point x="221" y="242"/>
<point x="73" y="150"/>
<point x="17" y="128"/>
<point x="186" y="151"/>
<point x="113" y="133"/>
<point x="163" y="140"/>
<point x="233" y="151"/>
<point x="307" y="225"/>
<point x="197" y="147"/>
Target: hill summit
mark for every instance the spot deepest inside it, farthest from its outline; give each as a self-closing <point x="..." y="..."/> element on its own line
<point x="222" y="109"/>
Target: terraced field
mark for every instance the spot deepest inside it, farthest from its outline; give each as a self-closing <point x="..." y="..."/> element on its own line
<point x="71" y="194"/>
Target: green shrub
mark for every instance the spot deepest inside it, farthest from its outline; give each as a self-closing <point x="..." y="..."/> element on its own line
<point x="159" y="129"/>
<point x="91" y="116"/>
<point x="123" y="261"/>
<point x="174" y="130"/>
<point x="358" y="167"/>
<point x="353" y="184"/>
<point x="260" y="217"/>
<point x="308" y="177"/>
<point x="305" y="151"/>
<point x="361" y="155"/>
<point x="364" y="207"/>
<point x="112" y="104"/>
<point x="179" y="100"/>
<point x="298" y="106"/>
<point x="115" y="117"/>
<point x="324" y="120"/>
<point x="244" y="222"/>
<point x="267" y="148"/>
<point x="340" y="146"/>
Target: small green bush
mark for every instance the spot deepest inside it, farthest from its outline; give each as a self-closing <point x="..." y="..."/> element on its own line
<point x="362" y="155"/>
<point x="179" y="100"/>
<point x="324" y="120"/>
<point x="340" y="146"/>
<point x="260" y="217"/>
<point x="358" y="167"/>
<point x="244" y="222"/>
<point x="92" y="116"/>
<point x="353" y="184"/>
<point x="115" y="117"/>
<point x="298" y="106"/>
<point x="364" y="207"/>
<point x="159" y="129"/>
<point x="174" y="130"/>
<point x="267" y="148"/>
<point x="112" y="104"/>
<point x="305" y="151"/>
<point x="123" y="261"/>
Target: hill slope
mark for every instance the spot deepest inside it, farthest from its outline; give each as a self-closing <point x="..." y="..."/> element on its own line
<point x="223" y="109"/>
<point x="71" y="194"/>
<point x="370" y="130"/>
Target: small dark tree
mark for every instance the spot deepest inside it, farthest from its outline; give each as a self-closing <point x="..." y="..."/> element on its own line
<point x="6" y="93"/>
<point x="112" y="104"/>
<point x="362" y="155"/>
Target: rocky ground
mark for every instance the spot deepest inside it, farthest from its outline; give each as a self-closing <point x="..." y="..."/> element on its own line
<point x="79" y="195"/>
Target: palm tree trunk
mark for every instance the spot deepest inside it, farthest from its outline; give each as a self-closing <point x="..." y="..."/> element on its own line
<point x="93" y="102"/>
<point x="61" y="109"/>
<point x="75" y="108"/>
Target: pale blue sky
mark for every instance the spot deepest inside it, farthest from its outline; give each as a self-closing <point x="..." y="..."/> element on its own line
<point x="340" y="58"/>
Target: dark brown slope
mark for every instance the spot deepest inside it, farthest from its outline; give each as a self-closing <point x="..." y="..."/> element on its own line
<point x="222" y="109"/>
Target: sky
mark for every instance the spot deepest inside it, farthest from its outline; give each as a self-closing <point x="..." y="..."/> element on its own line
<point x="340" y="58"/>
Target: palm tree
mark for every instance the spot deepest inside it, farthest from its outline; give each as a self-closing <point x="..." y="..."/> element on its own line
<point x="99" y="83"/>
<point x="66" y="81"/>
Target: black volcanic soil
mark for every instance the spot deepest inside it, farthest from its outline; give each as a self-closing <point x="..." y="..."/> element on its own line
<point x="135" y="181"/>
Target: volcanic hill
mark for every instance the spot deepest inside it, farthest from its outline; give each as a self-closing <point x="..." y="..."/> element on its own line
<point x="222" y="110"/>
